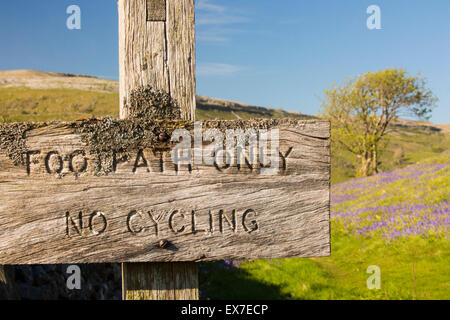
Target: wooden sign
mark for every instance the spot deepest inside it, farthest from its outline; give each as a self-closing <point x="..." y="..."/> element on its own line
<point x="109" y="190"/>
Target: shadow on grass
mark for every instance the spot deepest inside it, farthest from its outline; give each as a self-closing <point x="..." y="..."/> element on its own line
<point x="219" y="281"/>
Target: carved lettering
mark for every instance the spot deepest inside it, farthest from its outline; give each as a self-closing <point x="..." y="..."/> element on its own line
<point x="54" y="163"/>
<point x="97" y="216"/>
<point x="148" y="161"/>
<point x="222" y="160"/>
<point x="157" y="161"/>
<point x="130" y="218"/>
<point x="194" y="222"/>
<point x="156" y="219"/>
<point x="211" y="222"/>
<point x="78" y="162"/>
<point x="31" y="160"/>
<point x="171" y="222"/>
<point x="70" y="224"/>
<point x="163" y="223"/>
<point x="141" y="162"/>
<point x="284" y="157"/>
<point x="253" y="223"/>
<point x="231" y="222"/>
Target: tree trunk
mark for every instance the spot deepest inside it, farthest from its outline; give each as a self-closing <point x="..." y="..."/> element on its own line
<point x="369" y="162"/>
<point x="374" y="160"/>
<point x="366" y="165"/>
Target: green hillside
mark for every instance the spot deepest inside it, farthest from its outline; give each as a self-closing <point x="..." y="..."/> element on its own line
<point x="404" y="146"/>
<point x="25" y="104"/>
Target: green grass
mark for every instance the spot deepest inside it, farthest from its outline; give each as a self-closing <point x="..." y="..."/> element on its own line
<point x="21" y="104"/>
<point x="411" y="267"/>
<point x="341" y="276"/>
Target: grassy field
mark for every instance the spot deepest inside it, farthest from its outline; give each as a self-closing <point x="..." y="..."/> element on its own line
<point x="23" y="104"/>
<point x="397" y="220"/>
<point x="26" y="104"/>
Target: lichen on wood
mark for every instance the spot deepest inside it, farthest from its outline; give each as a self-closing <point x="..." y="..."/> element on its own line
<point x="112" y="139"/>
<point x="149" y="103"/>
<point x="13" y="140"/>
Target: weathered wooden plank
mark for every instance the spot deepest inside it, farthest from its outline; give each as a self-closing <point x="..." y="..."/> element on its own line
<point x="157" y="53"/>
<point x="142" y="51"/>
<point x="181" y="54"/>
<point x="74" y="200"/>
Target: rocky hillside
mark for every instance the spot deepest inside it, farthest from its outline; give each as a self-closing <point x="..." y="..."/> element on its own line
<point x="50" y="80"/>
<point x="27" y="95"/>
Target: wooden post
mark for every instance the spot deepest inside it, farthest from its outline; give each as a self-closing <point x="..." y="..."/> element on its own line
<point x="160" y="281"/>
<point x="8" y="290"/>
<point x="158" y="52"/>
<point x="157" y="48"/>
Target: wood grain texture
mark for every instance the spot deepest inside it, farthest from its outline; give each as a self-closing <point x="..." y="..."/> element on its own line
<point x="181" y="54"/>
<point x="285" y="215"/>
<point x="157" y="53"/>
<point x="142" y="51"/>
<point x="160" y="281"/>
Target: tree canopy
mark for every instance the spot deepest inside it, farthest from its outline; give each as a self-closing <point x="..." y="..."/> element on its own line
<point x="362" y="109"/>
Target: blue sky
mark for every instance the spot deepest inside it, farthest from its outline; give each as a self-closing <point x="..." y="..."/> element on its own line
<point x="262" y="52"/>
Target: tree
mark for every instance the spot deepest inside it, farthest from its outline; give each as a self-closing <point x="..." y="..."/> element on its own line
<point x="362" y="109"/>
